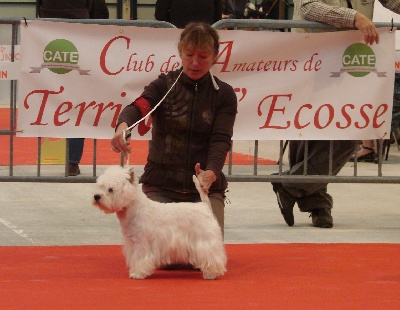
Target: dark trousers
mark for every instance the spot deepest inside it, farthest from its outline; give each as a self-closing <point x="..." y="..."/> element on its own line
<point x="75" y="149"/>
<point x="314" y="195"/>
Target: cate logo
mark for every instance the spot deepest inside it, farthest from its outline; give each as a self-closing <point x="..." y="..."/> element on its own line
<point x="358" y="60"/>
<point x="60" y="56"/>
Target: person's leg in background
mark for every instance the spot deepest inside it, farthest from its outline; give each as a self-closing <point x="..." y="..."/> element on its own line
<point x="317" y="162"/>
<point x="312" y="197"/>
<point x="75" y="154"/>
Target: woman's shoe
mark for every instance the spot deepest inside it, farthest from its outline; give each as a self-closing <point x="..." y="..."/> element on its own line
<point x="368" y="158"/>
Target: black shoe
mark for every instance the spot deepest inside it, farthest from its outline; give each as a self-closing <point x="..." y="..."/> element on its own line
<point x="73" y="170"/>
<point x="285" y="201"/>
<point x="368" y="158"/>
<point x="322" y="218"/>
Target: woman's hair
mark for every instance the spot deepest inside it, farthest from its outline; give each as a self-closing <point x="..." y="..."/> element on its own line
<point x="199" y="36"/>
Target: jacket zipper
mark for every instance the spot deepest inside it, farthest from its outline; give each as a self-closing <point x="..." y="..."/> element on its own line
<point x="189" y="134"/>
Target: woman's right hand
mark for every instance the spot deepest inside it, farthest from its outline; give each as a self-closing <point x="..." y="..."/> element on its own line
<point x="118" y="144"/>
<point x="367" y="27"/>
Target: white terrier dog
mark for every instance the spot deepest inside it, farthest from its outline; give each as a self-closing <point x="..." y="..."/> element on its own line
<point x="158" y="234"/>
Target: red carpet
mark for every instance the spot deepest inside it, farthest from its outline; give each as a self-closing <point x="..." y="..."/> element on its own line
<point x="260" y="276"/>
<point x="25" y="150"/>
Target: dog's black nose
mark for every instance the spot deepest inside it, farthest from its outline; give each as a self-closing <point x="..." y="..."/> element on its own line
<point x="97" y="197"/>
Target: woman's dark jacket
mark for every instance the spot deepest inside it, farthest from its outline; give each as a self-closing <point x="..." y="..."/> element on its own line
<point x="181" y="12"/>
<point x="194" y="124"/>
<point x="72" y="9"/>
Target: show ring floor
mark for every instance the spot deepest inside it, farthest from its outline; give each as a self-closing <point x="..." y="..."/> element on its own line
<point x="259" y="276"/>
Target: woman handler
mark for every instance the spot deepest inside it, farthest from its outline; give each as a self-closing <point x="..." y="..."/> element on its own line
<point x="192" y="127"/>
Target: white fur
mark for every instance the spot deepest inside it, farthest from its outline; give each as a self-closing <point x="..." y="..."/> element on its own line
<point x="158" y="234"/>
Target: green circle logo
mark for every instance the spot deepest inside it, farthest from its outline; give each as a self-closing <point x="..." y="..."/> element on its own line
<point x="358" y="58"/>
<point x="61" y="56"/>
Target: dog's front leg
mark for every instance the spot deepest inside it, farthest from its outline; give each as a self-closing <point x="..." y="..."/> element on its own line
<point x="141" y="268"/>
<point x="137" y="275"/>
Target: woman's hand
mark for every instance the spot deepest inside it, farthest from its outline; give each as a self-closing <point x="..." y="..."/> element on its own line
<point x="206" y="177"/>
<point x="367" y="27"/>
<point x="118" y="144"/>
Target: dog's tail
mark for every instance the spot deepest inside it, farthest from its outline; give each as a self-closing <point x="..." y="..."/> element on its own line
<point x="203" y="196"/>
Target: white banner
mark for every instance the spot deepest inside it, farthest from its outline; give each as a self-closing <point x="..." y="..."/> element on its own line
<point x="9" y="70"/>
<point x="397" y="61"/>
<point x="76" y="78"/>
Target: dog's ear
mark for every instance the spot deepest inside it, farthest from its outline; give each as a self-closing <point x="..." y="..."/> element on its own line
<point x="131" y="172"/>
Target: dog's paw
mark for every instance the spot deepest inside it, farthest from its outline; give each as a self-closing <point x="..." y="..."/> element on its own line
<point x="137" y="276"/>
<point x="211" y="275"/>
<point x="208" y="276"/>
<point x="139" y="273"/>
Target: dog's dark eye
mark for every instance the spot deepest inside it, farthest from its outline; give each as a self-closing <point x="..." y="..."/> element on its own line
<point x="110" y="190"/>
